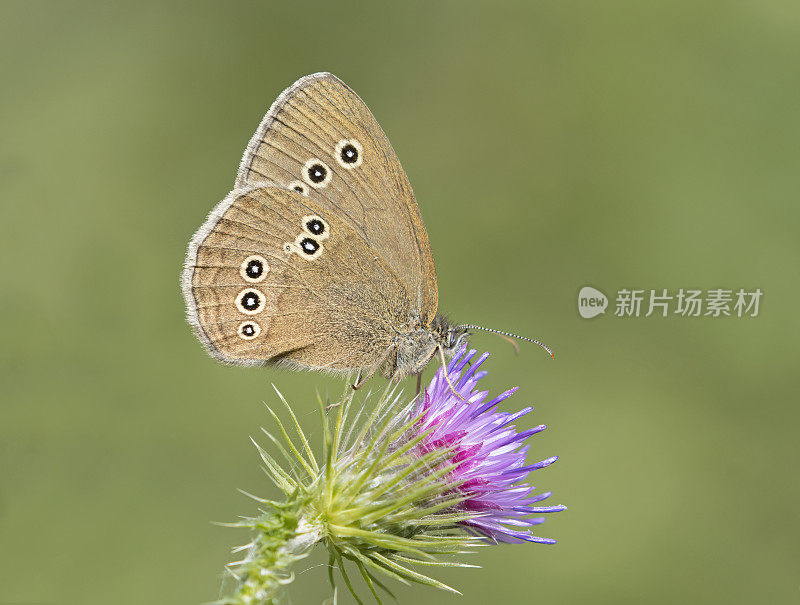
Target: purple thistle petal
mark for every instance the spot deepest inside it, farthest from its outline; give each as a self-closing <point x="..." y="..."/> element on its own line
<point x="540" y="497"/>
<point x="496" y="400"/>
<point x="539" y="540"/>
<point x="522" y="436"/>
<point x="479" y="375"/>
<point x="460" y="360"/>
<point x="473" y="369"/>
<point x="532" y="467"/>
<point x="523" y="412"/>
<point x="546" y="509"/>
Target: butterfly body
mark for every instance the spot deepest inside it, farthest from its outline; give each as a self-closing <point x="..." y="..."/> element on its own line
<point x="414" y="348"/>
<point x="319" y="258"/>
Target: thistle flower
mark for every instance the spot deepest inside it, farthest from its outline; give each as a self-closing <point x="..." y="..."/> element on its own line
<point x="397" y="488"/>
<point x="489" y="452"/>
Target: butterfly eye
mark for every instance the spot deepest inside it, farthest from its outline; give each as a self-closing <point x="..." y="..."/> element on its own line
<point x="308" y="247"/>
<point x="254" y="269"/>
<point x="316" y="226"/>
<point x="249" y="330"/>
<point x="250" y="302"/>
<point x="316" y="173"/>
<point x="349" y="153"/>
<point x="300" y="187"/>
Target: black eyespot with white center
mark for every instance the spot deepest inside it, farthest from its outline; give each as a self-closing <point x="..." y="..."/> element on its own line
<point x="315" y="225"/>
<point x="316" y="173"/>
<point x="309" y="245"/>
<point x="250" y="301"/>
<point x="254" y="269"/>
<point x="300" y="187"/>
<point x="349" y="153"/>
<point x="249" y="330"/>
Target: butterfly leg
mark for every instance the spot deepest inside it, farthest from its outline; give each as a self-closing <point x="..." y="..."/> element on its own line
<point x="419" y="382"/>
<point x="371" y="371"/>
<point x="360" y="381"/>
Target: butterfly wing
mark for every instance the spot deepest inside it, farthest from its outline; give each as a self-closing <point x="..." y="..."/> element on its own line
<point x="320" y="139"/>
<point x="273" y="276"/>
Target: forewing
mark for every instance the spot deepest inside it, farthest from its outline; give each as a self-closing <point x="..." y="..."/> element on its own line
<point x="321" y="139"/>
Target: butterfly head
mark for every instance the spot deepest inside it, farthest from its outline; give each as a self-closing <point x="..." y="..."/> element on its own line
<point x="448" y="336"/>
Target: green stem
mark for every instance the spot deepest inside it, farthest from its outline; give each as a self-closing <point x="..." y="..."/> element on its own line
<point x="282" y="538"/>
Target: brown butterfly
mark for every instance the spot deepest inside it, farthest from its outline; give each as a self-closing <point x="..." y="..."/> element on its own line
<point x="318" y="259"/>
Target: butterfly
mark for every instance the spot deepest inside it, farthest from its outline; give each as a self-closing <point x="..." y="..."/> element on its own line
<point x="318" y="259"/>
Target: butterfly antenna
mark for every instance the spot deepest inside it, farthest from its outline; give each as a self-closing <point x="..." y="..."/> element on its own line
<point x="509" y="335"/>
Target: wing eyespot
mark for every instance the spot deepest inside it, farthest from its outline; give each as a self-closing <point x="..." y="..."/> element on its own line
<point x="308" y="247"/>
<point x="254" y="269"/>
<point x="316" y="226"/>
<point x="250" y="301"/>
<point x="300" y="187"/>
<point x="349" y="153"/>
<point x="248" y="330"/>
<point x="316" y="173"/>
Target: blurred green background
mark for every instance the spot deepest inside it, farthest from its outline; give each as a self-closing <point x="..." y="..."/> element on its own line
<point x="551" y="145"/>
